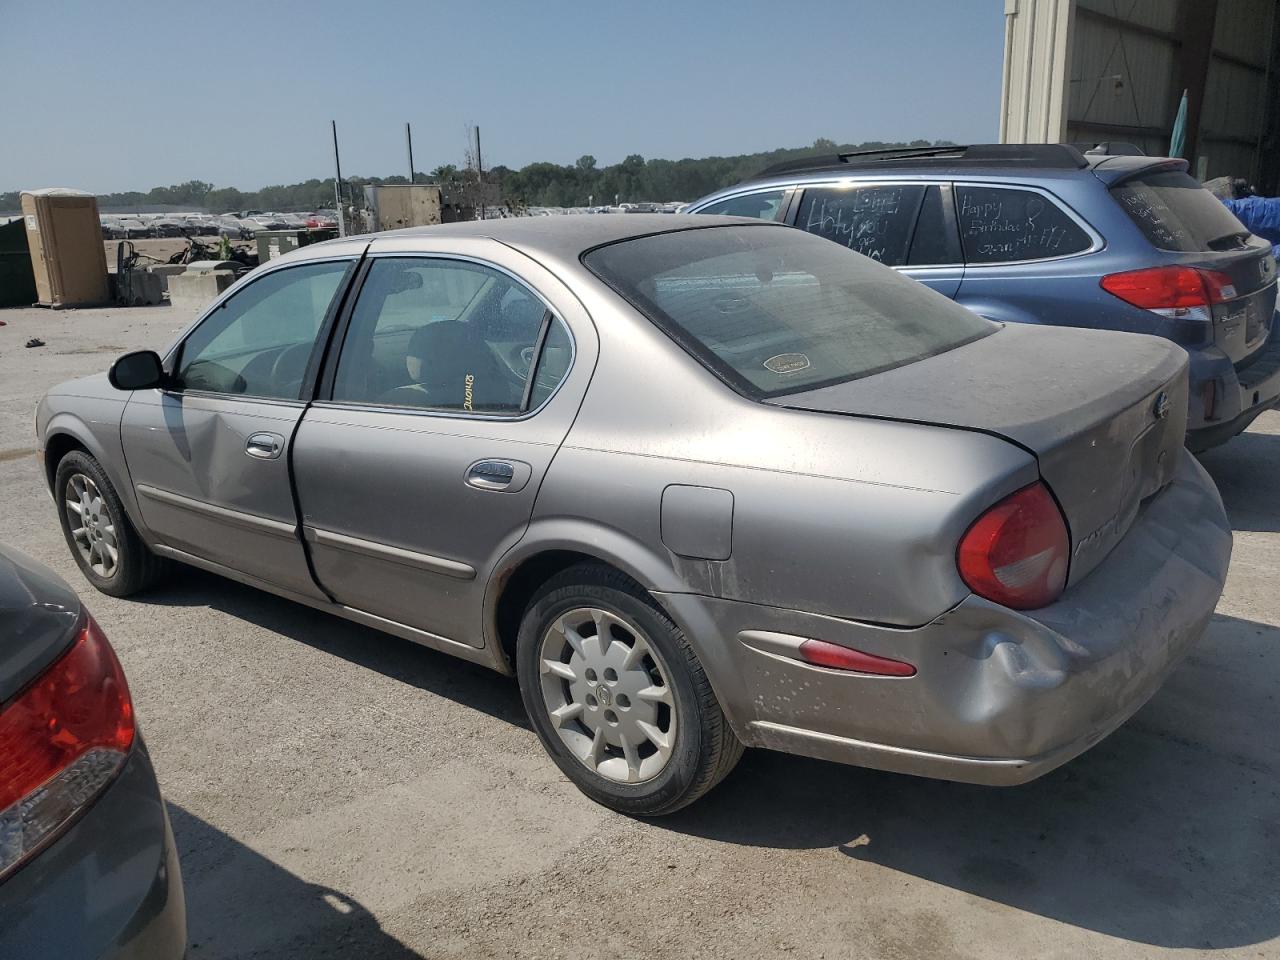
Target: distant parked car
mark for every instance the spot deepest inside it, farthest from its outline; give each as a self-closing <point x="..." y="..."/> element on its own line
<point x="269" y="221"/>
<point x="113" y="229"/>
<point x="200" y="225"/>
<point x="697" y="482"/>
<point x="88" y="866"/>
<point x="321" y="221"/>
<point x="170" y="227"/>
<point x="137" y="229"/>
<point x="235" y="228"/>
<point x="1044" y="234"/>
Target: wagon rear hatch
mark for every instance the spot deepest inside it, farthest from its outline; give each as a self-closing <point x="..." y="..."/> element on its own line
<point x="1103" y="413"/>
<point x="1192" y="228"/>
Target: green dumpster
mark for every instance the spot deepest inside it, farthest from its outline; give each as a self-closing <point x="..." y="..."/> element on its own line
<point x="17" y="279"/>
<point x="276" y="243"/>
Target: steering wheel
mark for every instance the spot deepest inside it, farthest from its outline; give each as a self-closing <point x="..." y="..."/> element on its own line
<point x="291" y="365"/>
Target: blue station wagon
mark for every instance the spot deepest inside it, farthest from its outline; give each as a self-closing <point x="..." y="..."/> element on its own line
<point x="1042" y="233"/>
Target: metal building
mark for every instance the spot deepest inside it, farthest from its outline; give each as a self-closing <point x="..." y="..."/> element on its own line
<point x="1096" y="70"/>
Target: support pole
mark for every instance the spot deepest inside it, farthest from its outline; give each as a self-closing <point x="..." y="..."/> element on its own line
<point x="337" y="181"/>
<point x="408" y="139"/>
<point x="480" y="173"/>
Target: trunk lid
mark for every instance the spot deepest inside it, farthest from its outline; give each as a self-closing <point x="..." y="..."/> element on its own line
<point x="1103" y="413"/>
<point x="38" y="616"/>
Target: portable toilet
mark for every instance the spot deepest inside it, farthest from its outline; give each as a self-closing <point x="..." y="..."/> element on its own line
<point x="67" y="254"/>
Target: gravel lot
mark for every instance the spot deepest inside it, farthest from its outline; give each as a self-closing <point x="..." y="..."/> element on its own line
<point x="338" y="792"/>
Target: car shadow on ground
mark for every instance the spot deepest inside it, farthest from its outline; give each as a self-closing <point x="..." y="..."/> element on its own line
<point x="1163" y="834"/>
<point x="1247" y="472"/>
<point x="466" y="683"/>
<point x="240" y="904"/>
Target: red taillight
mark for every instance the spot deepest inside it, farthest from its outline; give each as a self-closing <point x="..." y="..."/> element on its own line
<point x="1017" y="553"/>
<point x="823" y="654"/>
<point x="1170" y="288"/>
<point x="62" y="740"/>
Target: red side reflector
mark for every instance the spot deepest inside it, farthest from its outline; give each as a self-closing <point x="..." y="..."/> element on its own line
<point x="823" y="654"/>
<point x="1209" y="398"/>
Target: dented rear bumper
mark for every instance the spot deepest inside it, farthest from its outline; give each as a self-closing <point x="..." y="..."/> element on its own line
<point x="999" y="696"/>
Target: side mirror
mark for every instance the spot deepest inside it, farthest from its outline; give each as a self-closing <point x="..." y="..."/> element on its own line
<point x="140" y="370"/>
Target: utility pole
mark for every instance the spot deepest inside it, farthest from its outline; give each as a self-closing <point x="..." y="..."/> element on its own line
<point x="480" y="173"/>
<point x="337" y="181"/>
<point x="408" y="139"/>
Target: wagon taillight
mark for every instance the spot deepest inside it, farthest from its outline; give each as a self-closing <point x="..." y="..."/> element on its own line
<point x="1172" y="291"/>
<point x="1017" y="553"/>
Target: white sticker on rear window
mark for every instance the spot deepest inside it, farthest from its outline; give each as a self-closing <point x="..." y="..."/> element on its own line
<point x="785" y="363"/>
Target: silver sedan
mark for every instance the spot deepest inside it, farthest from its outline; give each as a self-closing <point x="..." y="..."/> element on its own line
<point x="699" y="483"/>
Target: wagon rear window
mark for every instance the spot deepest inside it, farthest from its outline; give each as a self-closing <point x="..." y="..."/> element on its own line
<point x="775" y="311"/>
<point x="1176" y="213"/>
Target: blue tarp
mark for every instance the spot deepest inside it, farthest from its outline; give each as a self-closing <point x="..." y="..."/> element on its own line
<point x="1261" y="215"/>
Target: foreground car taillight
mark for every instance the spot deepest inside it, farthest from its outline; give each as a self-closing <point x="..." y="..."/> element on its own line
<point x="63" y="739"/>
<point x="1017" y="553"/>
<point x="1183" y="292"/>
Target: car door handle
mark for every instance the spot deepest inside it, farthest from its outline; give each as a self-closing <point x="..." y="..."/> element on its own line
<point x="264" y="446"/>
<point x="491" y="474"/>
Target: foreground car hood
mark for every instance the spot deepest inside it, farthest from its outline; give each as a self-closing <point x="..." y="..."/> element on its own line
<point x="38" y="614"/>
<point x="1084" y="402"/>
<point x="94" y="385"/>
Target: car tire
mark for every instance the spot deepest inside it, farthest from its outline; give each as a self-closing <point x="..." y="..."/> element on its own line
<point x="80" y="484"/>
<point x="640" y="755"/>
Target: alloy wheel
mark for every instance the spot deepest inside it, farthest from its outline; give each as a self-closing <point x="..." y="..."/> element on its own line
<point x="608" y="695"/>
<point x="93" y="529"/>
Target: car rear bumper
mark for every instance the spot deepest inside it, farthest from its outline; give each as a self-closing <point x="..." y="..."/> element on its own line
<point x="1244" y="394"/>
<point x="1000" y="696"/>
<point x="109" y="887"/>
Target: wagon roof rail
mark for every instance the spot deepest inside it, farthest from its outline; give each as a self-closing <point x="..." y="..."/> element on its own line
<point x="1062" y="156"/>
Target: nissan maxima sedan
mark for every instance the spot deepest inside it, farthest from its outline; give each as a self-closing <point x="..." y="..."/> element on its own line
<point x="88" y="867"/>
<point x="699" y="483"/>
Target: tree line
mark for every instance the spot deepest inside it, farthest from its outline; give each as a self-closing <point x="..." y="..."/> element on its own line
<point x="578" y="184"/>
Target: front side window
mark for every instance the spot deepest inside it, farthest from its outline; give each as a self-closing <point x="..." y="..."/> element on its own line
<point x="762" y="206"/>
<point x="449" y="335"/>
<point x="259" y="341"/>
<point x="1001" y="225"/>
<point x="875" y="220"/>
<point x="774" y="311"/>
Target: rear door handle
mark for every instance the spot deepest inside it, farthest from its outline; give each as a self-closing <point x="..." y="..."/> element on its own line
<point x="264" y="446"/>
<point x="491" y="474"/>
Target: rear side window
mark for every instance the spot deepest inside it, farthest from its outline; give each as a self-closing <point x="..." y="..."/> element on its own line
<point x="777" y="311"/>
<point x="1175" y="212"/>
<point x="875" y="221"/>
<point x="450" y="335"/>
<point x="1002" y="225"/>
<point x="762" y="206"/>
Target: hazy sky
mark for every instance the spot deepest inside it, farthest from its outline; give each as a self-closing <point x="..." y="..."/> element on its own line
<point x="128" y="94"/>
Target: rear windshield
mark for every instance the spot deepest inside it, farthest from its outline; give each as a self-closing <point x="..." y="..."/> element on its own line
<point x="775" y="311"/>
<point x="1176" y="213"/>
